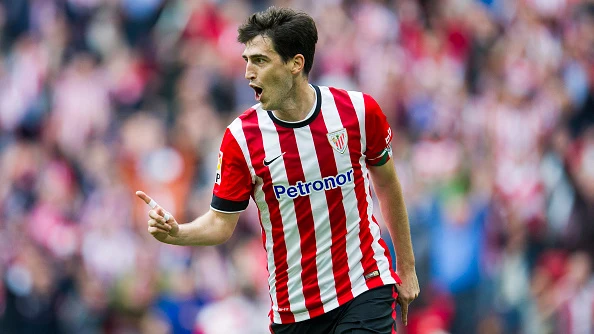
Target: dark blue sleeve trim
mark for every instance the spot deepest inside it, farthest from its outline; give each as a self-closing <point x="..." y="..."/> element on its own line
<point x="225" y="205"/>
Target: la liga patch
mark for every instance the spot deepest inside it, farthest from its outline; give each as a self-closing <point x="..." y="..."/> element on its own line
<point x="219" y="165"/>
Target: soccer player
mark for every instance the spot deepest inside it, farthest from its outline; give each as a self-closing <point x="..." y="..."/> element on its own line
<point x="305" y="155"/>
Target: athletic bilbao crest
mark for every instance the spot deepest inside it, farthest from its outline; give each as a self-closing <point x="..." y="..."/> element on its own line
<point x="338" y="140"/>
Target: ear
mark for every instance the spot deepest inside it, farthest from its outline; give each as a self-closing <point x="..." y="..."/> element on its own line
<point x="297" y="63"/>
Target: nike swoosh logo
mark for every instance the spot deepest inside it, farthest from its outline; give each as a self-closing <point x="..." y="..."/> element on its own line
<point x="268" y="162"/>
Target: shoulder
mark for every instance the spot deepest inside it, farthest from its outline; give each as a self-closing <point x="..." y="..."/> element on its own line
<point x="351" y="98"/>
<point x="334" y="90"/>
<point x="346" y="92"/>
<point x="249" y="115"/>
<point x="250" y="112"/>
<point x="341" y="90"/>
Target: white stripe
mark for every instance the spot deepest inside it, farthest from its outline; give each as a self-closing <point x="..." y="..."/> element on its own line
<point x="289" y="220"/>
<point x="359" y="105"/>
<point x="343" y="163"/>
<point x="236" y="129"/>
<point x="378" y="250"/>
<point x="321" y="219"/>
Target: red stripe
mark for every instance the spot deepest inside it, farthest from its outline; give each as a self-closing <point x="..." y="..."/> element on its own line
<point x="254" y="137"/>
<point x="305" y="223"/>
<point x="348" y="117"/>
<point x="336" y="213"/>
<point x="395" y="295"/>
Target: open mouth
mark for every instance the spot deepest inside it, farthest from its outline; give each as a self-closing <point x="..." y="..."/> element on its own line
<point x="258" y="91"/>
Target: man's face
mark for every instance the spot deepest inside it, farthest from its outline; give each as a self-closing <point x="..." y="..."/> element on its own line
<point x="269" y="76"/>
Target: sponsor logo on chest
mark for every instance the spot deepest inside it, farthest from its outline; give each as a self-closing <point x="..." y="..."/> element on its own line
<point x="308" y="187"/>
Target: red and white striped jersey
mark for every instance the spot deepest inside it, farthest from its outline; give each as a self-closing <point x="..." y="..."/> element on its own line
<point x="311" y="185"/>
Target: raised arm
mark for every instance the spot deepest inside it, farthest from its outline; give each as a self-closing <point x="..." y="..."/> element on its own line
<point x="212" y="228"/>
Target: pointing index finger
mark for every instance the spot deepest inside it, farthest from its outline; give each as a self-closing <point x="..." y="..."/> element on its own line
<point x="146" y="199"/>
<point x="151" y="202"/>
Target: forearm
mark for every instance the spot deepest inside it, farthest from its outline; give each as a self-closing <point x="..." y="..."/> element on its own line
<point x="395" y="216"/>
<point x="389" y="194"/>
<point x="206" y="230"/>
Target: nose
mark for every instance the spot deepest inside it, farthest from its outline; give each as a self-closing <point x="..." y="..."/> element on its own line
<point x="250" y="74"/>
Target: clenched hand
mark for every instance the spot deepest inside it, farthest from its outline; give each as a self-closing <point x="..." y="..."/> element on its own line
<point x="161" y="223"/>
<point x="407" y="292"/>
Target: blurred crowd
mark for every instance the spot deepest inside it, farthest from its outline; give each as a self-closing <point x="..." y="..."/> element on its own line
<point x="491" y="103"/>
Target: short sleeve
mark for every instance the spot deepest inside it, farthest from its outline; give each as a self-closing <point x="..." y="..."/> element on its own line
<point x="233" y="182"/>
<point x="378" y="133"/>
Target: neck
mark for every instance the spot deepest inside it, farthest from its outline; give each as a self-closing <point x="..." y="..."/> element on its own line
<point x="298" y="104"/>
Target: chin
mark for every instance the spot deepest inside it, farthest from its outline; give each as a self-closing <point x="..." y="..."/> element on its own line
<point x="266" y="106"/>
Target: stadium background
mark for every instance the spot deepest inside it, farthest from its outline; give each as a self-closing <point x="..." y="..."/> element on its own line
<point x="492" y="107"/>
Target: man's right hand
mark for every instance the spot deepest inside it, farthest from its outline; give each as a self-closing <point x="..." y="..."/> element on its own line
<point x="158" y="226"/>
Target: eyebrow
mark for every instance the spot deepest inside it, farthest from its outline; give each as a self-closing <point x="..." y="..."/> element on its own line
<point x="257" y="55"/>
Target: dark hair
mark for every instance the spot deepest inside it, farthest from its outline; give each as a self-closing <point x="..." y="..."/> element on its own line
<point x="291" y="32"/>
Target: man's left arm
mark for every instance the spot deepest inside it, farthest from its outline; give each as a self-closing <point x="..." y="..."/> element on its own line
<point x="389" y="193"/>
